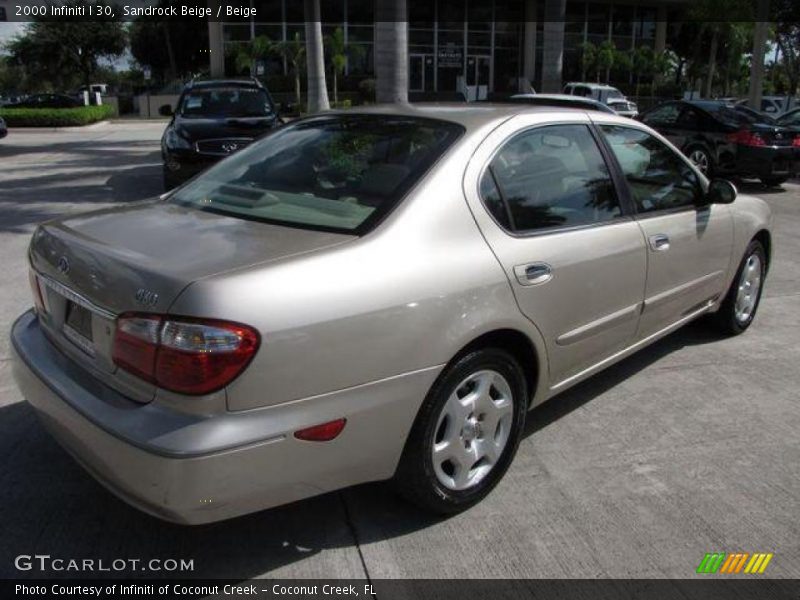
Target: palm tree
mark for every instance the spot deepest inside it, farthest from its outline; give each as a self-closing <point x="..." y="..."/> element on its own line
<point x="588" y="58"/>
<point x="642" y="61"/>
<point x="391" y="51"/>
<point x="315" y="59"/>
<point x="606" y="53"/>
<point x="339" y="51"/>
<point x="250" y="52"/>
<point x="294" y="51"/>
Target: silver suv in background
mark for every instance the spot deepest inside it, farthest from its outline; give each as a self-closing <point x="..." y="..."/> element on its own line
<point x="606" y="94"/>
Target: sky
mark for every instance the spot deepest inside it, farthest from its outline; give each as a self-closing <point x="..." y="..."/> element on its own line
<point x="9" y="30"/>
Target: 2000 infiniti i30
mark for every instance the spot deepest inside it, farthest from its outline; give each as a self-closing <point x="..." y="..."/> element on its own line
<point x="371" y="295"/>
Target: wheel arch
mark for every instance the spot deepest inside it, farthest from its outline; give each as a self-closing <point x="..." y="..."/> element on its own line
<point x="765" y="237"/>
<point x="516" y="343"/>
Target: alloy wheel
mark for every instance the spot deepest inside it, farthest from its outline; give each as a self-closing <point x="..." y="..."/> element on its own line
<point x="472" y="430"/>
<point x="700" y="160"/>
<point x="749" y="286"/>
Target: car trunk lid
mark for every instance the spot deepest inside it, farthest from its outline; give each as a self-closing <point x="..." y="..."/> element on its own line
<point x="140" y="257"/>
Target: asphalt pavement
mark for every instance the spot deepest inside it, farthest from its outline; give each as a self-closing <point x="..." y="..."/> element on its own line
<point x="691" y="446"/>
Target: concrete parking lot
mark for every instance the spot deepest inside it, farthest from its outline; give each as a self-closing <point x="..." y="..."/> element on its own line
<point x="691" y="446"/>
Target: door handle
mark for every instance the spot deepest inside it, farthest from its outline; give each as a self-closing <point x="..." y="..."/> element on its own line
<point x="533" y="273"/>
<point x="659" y="242"/>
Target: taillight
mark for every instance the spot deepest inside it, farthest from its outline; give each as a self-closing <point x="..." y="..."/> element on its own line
<point x="745" y="137"/>
<point x="796" y="141"/>
<point x="184" y="355"/>
<point x="36" y="289"/>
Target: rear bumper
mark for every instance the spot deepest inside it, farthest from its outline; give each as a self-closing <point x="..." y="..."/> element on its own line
<point x="195" y="469"/>
<point x="767" y="162"/>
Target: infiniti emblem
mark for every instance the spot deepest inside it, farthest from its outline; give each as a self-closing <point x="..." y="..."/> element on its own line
<point x="63" y="265"/>
<point x="230" y="147"/>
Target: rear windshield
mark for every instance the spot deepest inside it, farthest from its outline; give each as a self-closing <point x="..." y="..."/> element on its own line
<point x="335" y="173"/>
<point x="226" y="102"/>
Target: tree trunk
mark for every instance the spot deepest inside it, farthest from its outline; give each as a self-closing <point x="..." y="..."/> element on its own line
<point x="759" y="41"/>
<point x="297" y="95"/>
<point x="315" y="59"/>
<point x="391" y="51"/>
<point x="335" y="87"/>
<point x="712" y="60"/>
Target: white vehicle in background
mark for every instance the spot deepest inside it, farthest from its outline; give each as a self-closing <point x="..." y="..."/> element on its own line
<point x="606" y="94"/>
<point x="775" y="106"/>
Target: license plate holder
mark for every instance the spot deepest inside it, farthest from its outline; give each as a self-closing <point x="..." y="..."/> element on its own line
<point x="78" y="327"/>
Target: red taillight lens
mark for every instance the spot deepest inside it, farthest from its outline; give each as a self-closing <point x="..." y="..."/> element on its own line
<point x="188" y="356"/>
<point x="321" y="433"/>
<point x="796" y="141"/>
<point x="744" y="137"/>
<point x="36" y="289"/>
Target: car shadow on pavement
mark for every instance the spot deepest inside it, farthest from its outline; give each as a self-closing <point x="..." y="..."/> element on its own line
<point x="51" y="506"/>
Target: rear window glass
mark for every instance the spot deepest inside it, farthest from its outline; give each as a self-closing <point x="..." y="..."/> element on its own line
<point x="335" y="173"/>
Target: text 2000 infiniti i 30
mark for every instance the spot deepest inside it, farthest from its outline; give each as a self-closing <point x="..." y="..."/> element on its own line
<point x="371" y="295"/>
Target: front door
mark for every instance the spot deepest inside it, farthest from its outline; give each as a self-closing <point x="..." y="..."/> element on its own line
<point x="576" y="261"/>
<point x="420" y="72"/>
<point x="688" y="243"/>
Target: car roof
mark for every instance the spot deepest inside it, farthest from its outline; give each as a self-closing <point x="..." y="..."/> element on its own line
<point x="470" y="116"/>
<point x="208" y="83"/>
<point x="597" y="86"/>
<point x="562" y="100"/>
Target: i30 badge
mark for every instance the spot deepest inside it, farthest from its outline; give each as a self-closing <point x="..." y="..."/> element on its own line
<point x="146" y="297"/>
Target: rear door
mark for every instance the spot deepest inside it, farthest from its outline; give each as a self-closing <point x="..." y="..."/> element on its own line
<point x="544" y="198"/>
<point x="688" y="242"/>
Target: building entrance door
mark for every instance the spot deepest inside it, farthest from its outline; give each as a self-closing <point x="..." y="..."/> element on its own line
<point x="478" y="76"/>
<point x="420" y="72"/>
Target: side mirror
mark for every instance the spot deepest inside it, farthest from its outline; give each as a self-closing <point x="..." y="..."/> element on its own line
<point x="165" y="110"/>
<point x="721" y="191"/>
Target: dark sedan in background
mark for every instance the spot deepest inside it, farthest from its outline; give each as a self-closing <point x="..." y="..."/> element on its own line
<point x="214" y="118"/>
<point x="47" y="101"/>
<point x="721" y="140"/>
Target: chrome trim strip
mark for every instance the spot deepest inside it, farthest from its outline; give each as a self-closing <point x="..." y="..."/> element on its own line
<point x="598" y="326"/>
<point x="671" y="294"/>
<point x="60" y="288"/>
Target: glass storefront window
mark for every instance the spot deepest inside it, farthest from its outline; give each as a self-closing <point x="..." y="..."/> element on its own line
<point x="598" y="18"/>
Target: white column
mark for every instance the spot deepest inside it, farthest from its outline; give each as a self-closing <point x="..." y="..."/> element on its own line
<point x="216" y="48"/>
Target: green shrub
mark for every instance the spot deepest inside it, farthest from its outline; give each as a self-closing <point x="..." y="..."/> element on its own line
<point x="55" y="117"/>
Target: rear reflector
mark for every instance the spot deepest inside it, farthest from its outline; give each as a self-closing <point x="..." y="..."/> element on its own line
<point x="184" y="355"/>
<point x="321" y="433"/>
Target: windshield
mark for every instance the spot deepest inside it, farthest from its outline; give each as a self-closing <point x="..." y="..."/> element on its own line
<point x="614" y="94"/>
<point x="336" y="173"/>
<point x="226" y="102"/>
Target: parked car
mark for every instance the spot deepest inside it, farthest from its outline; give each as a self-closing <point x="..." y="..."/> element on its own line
<point x="606" y="94"/>
<point x="562" y="100"/>
<point x="47" y="101"/>
<point x="3" y="128"/>
<point x="214" y="118"/>
<point x="371" y="294"/>
<point x="723" y="141"/>
<point x="774" y="105"/>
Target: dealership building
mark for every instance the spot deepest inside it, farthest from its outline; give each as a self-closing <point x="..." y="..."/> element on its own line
<point x="474" y="47"/>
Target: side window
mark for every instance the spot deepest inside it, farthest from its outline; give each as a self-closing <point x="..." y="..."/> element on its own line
<point x="658" y="178"/>
<point x="663" y="115"/>
<point x="552" y="176"/>
<point x="689" y="119"/>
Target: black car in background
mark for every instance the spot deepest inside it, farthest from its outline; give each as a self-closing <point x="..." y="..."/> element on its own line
<point x="722" y="140"/>
<point x="213" y="119"/>
<point x="47" y="101"/>
<point x="3" y="129"/>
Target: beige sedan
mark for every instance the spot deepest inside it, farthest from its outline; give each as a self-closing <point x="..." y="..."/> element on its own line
<point x="369" y="295"/>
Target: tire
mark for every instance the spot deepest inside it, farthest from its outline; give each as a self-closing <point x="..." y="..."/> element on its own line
<point x="774" y="181"/>
<point x="701" y="158"/>
<point x="453" y="410"/>
<point x="737" y="311"/>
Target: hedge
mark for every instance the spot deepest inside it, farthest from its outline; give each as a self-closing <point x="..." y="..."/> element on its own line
<point x="55" y="117"/>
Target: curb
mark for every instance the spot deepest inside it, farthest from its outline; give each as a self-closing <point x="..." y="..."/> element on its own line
<point x="98" y="125"/>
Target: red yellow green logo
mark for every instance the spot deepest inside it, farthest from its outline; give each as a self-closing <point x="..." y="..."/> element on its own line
<point x="737" y="562"/>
